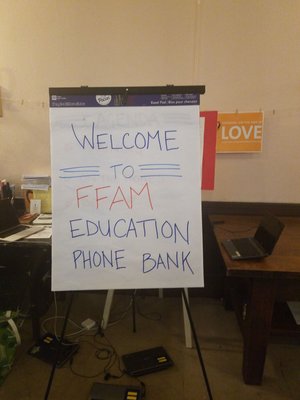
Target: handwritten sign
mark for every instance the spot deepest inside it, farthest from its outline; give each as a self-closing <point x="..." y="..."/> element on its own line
<point x="126" y="194"/>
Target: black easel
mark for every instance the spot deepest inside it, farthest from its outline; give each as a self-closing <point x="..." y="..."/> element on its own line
<point x="121" y="98"/>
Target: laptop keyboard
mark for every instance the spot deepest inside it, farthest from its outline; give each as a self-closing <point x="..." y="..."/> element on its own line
<point x="13" y="231"/>
<point x="245" y="247"/>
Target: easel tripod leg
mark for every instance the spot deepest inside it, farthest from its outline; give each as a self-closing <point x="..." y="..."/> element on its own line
<point x="58" y="353"/>
<point x="187" y="325"/>
<point x="107" y="307"/>
<point x="197" y="344"/>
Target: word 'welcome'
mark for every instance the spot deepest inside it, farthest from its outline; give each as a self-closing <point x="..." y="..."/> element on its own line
<point x="158" y="140"/>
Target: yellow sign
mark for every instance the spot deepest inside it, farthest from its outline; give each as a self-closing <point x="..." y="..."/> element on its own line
<point x="240" y="132"/>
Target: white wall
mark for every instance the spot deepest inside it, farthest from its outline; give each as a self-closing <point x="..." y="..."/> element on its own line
<point x="246" y="53"/>
<point x="250" y="62"/>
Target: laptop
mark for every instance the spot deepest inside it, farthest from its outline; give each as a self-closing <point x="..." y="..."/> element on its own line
<point x="10" y="227"/>
<point x="259" y="246"/>
<point x="146" y="361"/>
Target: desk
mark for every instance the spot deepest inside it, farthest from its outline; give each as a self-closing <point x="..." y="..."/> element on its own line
<point x="274" y="278"/>
<point x="27" y="264"/>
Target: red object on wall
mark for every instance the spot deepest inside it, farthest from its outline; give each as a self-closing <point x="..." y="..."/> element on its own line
<point x="209" y="149"/>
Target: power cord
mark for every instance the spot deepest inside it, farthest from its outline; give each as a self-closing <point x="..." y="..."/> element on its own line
<point x="105" y="352"/>
<point x="82" y="329"/>
<point x="108" y="375"/>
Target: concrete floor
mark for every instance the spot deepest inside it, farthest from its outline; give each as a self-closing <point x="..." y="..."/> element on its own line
<point x="159" y="322"/>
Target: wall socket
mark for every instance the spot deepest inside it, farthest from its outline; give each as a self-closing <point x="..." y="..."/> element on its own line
<point x="35" y="206"/>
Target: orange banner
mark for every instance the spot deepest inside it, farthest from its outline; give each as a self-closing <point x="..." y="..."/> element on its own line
<point x="240" y="132"/>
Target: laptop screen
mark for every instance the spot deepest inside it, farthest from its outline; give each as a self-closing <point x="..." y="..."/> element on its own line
<point x="8" y="216"/>
<point x="268" y="232"/>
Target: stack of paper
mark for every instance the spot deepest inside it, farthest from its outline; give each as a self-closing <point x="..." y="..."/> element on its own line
<point x="34" y="182"/>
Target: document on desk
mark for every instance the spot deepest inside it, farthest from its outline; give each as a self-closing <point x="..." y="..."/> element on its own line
<point x="43" y="219"/>
<point x="46" y="233"/>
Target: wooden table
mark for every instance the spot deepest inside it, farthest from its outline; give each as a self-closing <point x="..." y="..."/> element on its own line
<point x="259" y="285"/>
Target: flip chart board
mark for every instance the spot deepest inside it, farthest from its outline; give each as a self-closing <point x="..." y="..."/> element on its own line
<point x="126" y="199"/>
